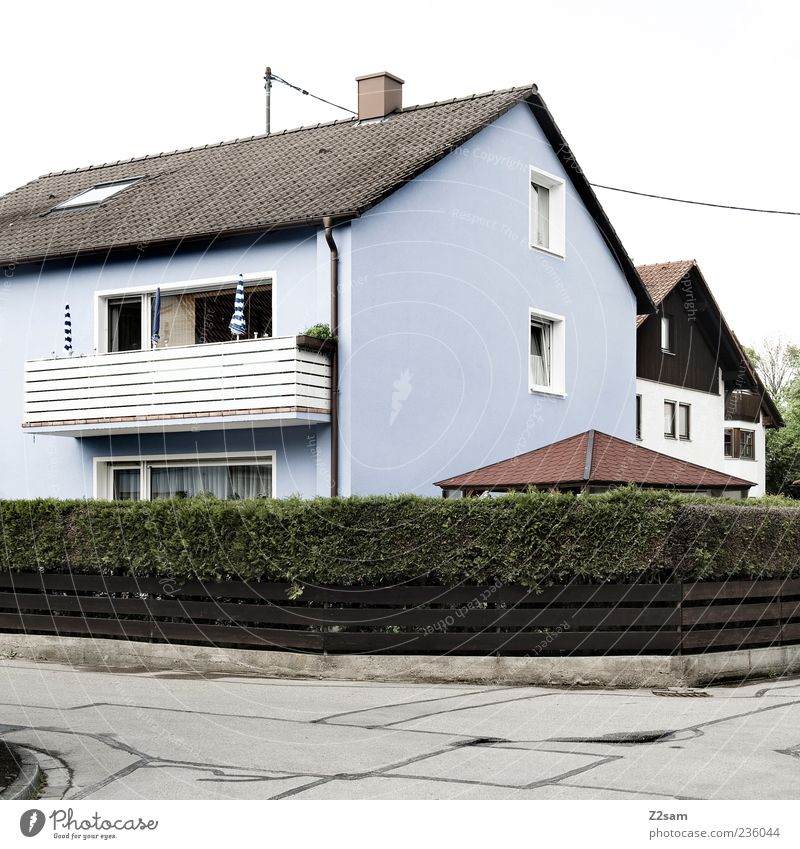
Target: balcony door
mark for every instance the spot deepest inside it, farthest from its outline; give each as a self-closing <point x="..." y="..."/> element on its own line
<point x="191" y="316"/>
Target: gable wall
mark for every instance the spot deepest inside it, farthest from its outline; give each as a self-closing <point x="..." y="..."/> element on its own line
<point x="435" y="364"/>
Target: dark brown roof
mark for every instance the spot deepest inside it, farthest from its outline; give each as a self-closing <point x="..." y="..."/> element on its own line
<point x="593" y="457"/>
<point x="286" y="179"/>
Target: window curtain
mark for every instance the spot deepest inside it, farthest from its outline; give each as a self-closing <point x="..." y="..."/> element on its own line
<point x="223" y="482"/>
<point x="542" y="213"/>
<point x="540" y="354"/>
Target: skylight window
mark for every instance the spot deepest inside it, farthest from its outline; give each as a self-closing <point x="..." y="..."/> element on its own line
<point x="97" y="194"/>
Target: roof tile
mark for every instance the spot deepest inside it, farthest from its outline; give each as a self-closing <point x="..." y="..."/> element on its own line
<point x="613" y="461"/>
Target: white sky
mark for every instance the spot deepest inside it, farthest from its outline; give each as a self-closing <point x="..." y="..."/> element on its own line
<point x="691" y="99"/>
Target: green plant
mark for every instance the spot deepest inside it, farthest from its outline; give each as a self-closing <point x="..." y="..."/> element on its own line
<point x="530" y="538"/>
<point x="319" y="331"/>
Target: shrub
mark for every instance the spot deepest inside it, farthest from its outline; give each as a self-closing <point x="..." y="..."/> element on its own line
<point x="533" y="538"/>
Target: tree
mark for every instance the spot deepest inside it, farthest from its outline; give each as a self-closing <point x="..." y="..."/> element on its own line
<point x="778" y="364"/>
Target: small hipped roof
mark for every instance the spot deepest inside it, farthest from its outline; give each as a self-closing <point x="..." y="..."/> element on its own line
<point x="596" y="458"/>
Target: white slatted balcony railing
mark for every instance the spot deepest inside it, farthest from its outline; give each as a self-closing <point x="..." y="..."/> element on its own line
<point x="285" y="379"/>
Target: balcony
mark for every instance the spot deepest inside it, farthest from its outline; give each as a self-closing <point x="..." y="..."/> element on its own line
<point x="268" y="382"/>
<point x="742" y="406"/>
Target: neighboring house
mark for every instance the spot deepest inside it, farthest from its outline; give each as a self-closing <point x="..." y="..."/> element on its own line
<point x="698" y="396"/>
<point x="482" y="304"/>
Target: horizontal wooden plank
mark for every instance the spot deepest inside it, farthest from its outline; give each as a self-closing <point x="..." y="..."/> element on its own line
<point x="216" y="387"/>
<point x="731" y="613"/>
<point x="718" y="591"/>
<point x="272" y="614"/>
<point x="733" y="638"/>
<point x="266" y="638"/>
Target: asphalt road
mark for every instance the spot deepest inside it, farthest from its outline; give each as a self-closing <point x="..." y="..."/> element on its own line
<point x="128" y="735"/>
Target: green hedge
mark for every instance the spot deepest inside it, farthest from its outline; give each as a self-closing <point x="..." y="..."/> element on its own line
<point x="528" y="538"/>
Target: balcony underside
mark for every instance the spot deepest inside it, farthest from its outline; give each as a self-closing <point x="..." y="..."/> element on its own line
<point x="288" y="417"/>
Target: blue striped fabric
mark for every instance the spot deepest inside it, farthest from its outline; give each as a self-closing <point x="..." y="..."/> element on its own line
<point x="67" y="330"/>
<point x="238" y="326"/>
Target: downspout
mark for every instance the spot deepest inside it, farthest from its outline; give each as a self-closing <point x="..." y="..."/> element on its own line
<point x="327" y="223"/>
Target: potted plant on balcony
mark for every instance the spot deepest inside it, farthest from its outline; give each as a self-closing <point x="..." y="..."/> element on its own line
<point x="318" y="337"/>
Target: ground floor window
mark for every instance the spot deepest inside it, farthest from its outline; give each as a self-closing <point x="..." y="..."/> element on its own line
<point x="152" y="479"/>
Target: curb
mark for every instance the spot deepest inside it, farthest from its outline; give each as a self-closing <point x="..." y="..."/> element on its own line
<point x="620" y="672"/>
<point x="26" y="784"/>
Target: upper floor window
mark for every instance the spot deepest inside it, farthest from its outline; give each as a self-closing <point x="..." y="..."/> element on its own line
<point x="667" y="345"/>
<point x="546" y="353"/>
<point x="547" y="212"/>
<point x="684" y="415"/>
<point x="747" y="445"/>
<point x="739" y="443"/>
<point x="97" y="194"/>
<point x="188" y="316"/>
<point x="669" y="419"/>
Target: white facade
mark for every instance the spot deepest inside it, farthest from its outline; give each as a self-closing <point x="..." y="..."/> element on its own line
<point x="707" y="424"/>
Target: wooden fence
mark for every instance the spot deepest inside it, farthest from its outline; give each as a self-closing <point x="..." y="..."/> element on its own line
<point x="577" y="619"/>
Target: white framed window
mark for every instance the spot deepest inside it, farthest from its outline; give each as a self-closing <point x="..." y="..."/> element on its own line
<point x="546" y="354"/>
<point x="747" y="449"/>
<point x="229" y="478"/>
<point x="547" y="212"/>
<point x="669" y="419"/>
<point x="97" y="194"/>
<point x="196" y="312"/>
<point x="684" y="421"/>
<point x="666" y="334"/>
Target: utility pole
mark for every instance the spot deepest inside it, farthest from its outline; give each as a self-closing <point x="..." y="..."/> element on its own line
<point x="268" y="87"/>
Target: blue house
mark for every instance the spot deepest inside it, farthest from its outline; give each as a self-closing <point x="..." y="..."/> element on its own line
<point x="481" y="303"/>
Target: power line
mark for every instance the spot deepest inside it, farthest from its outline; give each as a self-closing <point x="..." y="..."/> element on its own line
<point x="696" y="202"/>
<point x="595" y="185"/>
<point x="316" y="97"/>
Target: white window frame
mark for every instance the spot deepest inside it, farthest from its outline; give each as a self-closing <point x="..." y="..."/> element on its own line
<point x="557" y="385"/>
<point x="103" y="468"/>
<point x="75" y="202"/>
<point x="688" y="408"/>
<point x="148" y="293"/>
<point x="752" y="435"/>
<point x="666" y="323"/>
<point x="673" y="434"/>
<point x="557" y="212"/>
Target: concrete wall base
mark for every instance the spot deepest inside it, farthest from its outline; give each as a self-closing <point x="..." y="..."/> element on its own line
<point x="648" y="671"/>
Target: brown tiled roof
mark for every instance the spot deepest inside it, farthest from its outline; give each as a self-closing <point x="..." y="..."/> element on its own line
<point x="261" y="183"/>
<point x="295" y="176"/>
<point x="593" y="457"/>
<point x="661" y="278"/>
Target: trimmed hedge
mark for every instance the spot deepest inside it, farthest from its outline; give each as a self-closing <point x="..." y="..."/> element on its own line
<point x="533" y="538"/>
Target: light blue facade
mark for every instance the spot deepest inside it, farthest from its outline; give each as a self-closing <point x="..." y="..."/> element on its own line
<point x="31" y="320"/>
<point x="441" y="285"/>
<point x="436" y="284"/>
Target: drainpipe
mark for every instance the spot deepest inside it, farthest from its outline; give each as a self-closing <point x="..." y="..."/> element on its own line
<point x="327" y="223"/>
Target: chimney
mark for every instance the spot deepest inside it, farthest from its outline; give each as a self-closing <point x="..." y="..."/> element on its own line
<point x="379" y="95"/>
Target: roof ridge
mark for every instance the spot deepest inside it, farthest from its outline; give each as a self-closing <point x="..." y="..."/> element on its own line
<point x="668" y="262"/>
<point x="257" y="137"/>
